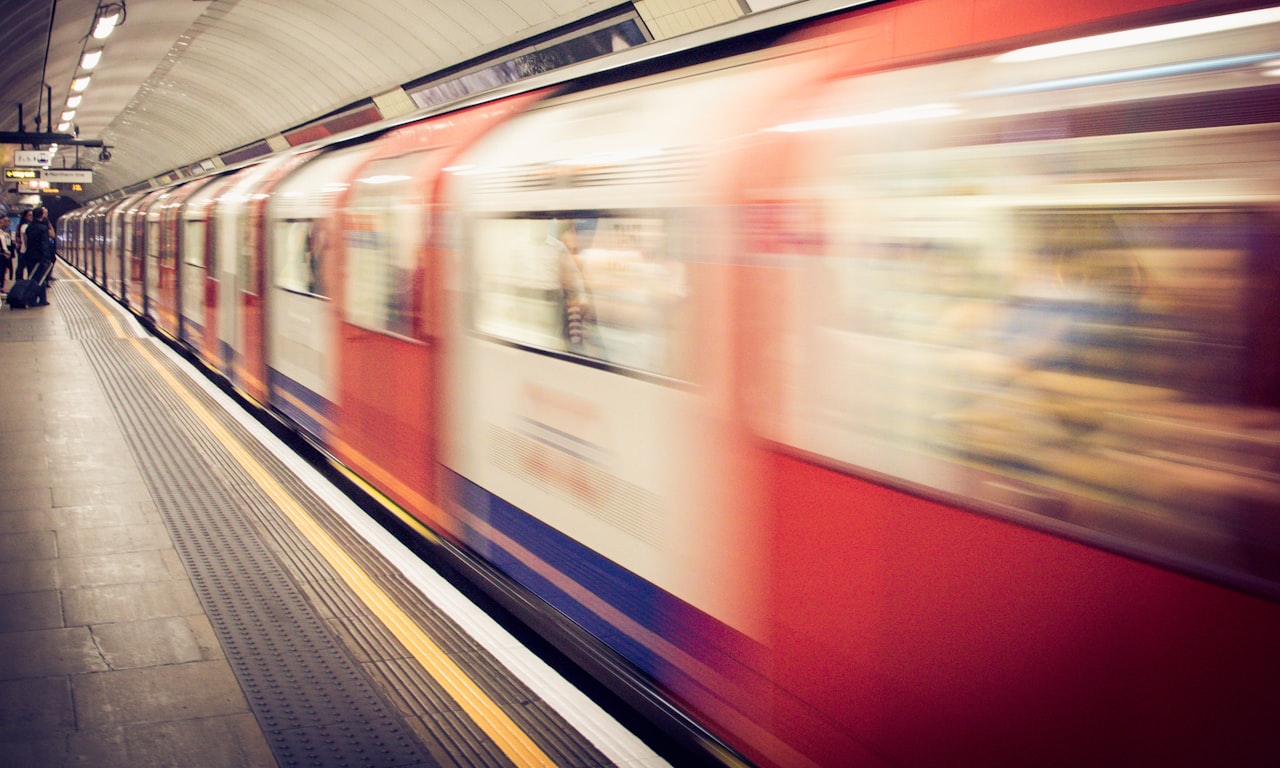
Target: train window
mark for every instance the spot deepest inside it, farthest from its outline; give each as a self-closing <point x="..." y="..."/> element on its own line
<point x="247" y="253"/>
<point x="383" y="229"/>
<point x="153" y="240"/>
<point x="605" y="288"/>
<point x="300" y="248"/>
<point x="126" y="235"/>
<point x="193" y="243"/>
<point x="168" y="235"/>
<point x="1118" y="368"/>
<point x="1047" y="295"/>
<point x="152" y="255"/>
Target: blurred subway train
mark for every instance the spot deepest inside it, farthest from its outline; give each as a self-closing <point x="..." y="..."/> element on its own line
<point x="897" y="387"/>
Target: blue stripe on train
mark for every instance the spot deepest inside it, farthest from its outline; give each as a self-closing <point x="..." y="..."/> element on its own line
<point x="693" y="631"/>
<point x="307" y="415"/>
<point x="192" y="332"/>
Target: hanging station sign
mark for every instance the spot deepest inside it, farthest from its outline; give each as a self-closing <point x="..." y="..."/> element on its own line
<point x="32" y="158"/>
<point x="67" y="175"/>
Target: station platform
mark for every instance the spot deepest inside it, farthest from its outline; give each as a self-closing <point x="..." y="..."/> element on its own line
<point x="178" y="588"/>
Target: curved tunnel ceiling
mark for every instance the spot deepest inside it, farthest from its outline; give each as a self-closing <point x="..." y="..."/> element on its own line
<point x="184" y="80"/>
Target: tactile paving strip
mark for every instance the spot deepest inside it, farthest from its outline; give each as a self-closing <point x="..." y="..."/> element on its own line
<point x="67" y="297"/>
<point x="314" y="704"/>
<point x="449" y="736"/>
<point x="444" y="728"/>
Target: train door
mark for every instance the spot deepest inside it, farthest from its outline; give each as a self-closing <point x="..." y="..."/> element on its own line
<point x="118" y="239"/>
<point x="161" y="242"/>
<point x="385" y="378"/>
<point x="302" y="354"/>
<point x="251" y="305"/>
<point x="166" y="296"/>
<point x="70" y="237"/>
<point x="198" y="302"/>
<point x="128" y="242"/>
<point x="133" y="253"/>
<point x="81" y="232"/>
<point x="233" y="260"/>
<point x="149" y="250"/>
<point x="103" y="237"/>
<point x="93" y="244"/>
<point x="391" y="254"/>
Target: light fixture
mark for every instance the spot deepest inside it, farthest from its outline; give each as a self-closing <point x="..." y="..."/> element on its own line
<point x="90" y="59"/>
<point x="1157" y="34"/>
<point x="107" y="19"/>
<point x="107" y="15"/>
<point x="64" y="127"/>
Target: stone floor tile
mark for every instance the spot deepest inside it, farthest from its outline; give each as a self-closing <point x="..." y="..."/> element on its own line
<point x="157" y="642"/>
<point x="26" y="611"/>
<point x="157" y="694"/>
<point x="129" y="602"/>
<point x="49" y="652"/>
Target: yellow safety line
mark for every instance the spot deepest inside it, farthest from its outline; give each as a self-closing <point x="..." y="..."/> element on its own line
<point x="388" y="503"/>
<point x="509" y="737"/>
<point x="378" y="495"/>
<point x="110" y="315"/>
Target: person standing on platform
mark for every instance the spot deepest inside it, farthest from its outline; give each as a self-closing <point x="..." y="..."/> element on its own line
<point x="7" y="252"/>
<point x="23" y="223"/>
<point x="39" y="253"/>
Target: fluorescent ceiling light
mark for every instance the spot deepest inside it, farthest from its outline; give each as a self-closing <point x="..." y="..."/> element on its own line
<point x="105" y="25"/>
<point x="62" y="127"/>
<point x="90" y="59"/>
<point x="74" y="101"/>
<point x="1156" y="34"/>
<point x="70" y="113"/>
<point x="80" y="83"/>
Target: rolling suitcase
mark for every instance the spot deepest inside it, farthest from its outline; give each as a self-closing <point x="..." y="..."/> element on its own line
<point x="24" y="292"/>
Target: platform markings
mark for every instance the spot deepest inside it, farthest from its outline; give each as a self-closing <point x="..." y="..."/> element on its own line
<point x="621" y="746"/>
<point x="509" y="737"/>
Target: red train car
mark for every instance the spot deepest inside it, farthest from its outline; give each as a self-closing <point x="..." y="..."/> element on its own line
<point x="986" y="387"/>
<point x="390" y="257"/>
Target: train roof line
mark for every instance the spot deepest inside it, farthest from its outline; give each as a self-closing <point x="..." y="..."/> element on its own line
<point x="775" y="20"/>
